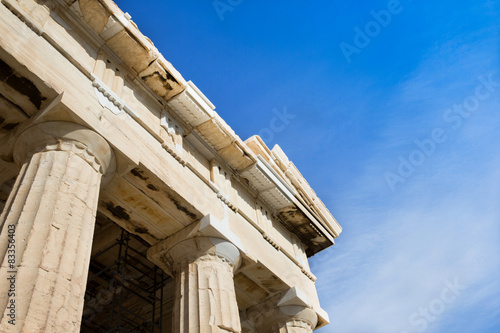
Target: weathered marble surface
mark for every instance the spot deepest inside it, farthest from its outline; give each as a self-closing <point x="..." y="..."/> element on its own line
<point x="173" y="169"/>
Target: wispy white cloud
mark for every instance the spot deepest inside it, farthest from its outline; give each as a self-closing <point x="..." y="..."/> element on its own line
<point x="386" y="274"/>
<point x="399" y="249"/>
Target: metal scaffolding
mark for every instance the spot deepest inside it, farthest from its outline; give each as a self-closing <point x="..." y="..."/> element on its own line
<point x="124" y="289"/>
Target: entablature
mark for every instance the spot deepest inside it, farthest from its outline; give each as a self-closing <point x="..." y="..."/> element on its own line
<point x="270" y="176"/>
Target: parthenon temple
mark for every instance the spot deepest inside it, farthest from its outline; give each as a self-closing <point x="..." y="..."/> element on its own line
<point x="128" y="204"/>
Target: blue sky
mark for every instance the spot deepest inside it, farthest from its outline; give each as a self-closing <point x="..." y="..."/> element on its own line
<point x="396" y="128"/>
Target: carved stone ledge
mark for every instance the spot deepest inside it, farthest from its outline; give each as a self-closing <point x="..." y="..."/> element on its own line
<point x="228" y="202"/>
<point x="192" y="106"/>
<point x="216" y="133"/>
<point x="174" y="154"/>
<point x="108" y="99"/>
<point x="308" y="274"/>
<point x="271" y="188"/>
<point x="170" y="125"/>
<point x="271" y="241"/>
<point x="223" y="197"/>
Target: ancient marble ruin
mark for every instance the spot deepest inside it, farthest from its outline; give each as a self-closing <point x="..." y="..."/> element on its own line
<point x="128" y="204"/>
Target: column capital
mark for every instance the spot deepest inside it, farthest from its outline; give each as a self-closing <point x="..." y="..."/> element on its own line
<point x="171" y="257"/>
<point x="203" y="268"/>
<point x="299" y="316"/>
<point x="289" y="318"/>
<point x="65" y="136"/>
<point x="289" y="312"/>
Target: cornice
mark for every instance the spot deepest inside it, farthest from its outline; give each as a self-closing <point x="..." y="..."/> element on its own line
<point x="280" y="185"/>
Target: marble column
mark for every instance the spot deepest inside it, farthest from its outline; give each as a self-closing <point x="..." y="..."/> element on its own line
<point x="205" y="298"/>
<point x="48" y="225"/>
<point x="285" y="319"/>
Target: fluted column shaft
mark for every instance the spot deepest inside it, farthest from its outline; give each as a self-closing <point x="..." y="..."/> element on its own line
<point x="52" y="208"/>
<point x="205" y="298"/>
